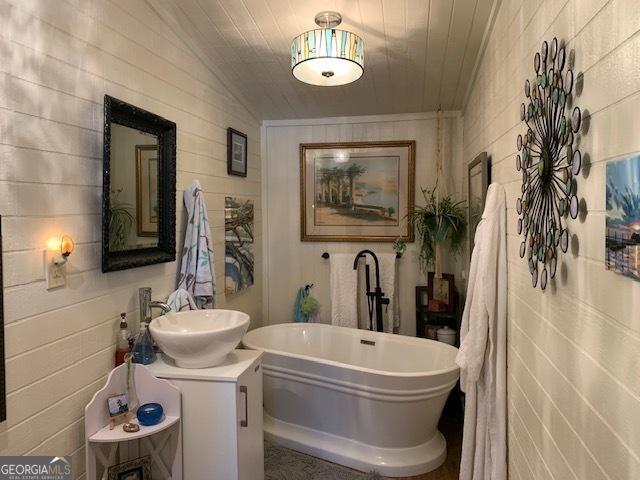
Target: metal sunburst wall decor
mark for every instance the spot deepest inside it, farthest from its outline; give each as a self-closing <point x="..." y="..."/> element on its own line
<point x="549" y="163"/>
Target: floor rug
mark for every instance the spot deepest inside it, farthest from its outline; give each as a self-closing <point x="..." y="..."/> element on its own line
<point x="284" y="464"/>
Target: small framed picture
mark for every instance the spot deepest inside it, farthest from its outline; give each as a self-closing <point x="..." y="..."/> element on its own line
<point x="236" y="153"/>
<point x="118" y="405"/>
<point x="442" y="290"/>
<point x="137" y="469"/>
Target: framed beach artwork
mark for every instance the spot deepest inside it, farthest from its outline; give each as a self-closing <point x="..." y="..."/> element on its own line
<point x="238" y="233"/>
<point x="147" y="190"/>
<point x="357" y="192"/>
<point x="623" y="217"/>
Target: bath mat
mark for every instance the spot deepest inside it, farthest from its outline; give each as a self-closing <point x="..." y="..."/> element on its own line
<point x="284" y="464"/>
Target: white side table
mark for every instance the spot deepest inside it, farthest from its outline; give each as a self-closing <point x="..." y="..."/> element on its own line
<point x="162" y="442"/>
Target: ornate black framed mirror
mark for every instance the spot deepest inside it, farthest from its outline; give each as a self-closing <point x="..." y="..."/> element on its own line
<point x="139" y="187"/>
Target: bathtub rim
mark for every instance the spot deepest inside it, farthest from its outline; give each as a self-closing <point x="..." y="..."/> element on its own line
<point x="355" y="332"/>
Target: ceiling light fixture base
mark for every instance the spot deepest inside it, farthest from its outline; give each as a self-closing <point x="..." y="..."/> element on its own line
<point x="328" y="19"/>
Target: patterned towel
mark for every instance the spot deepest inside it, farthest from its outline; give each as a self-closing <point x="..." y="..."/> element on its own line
<point x="181" y="300"/>
<point x="197" y="275"/>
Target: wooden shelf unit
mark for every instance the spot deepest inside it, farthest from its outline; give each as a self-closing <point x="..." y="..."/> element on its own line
<point x="162" y="442"/>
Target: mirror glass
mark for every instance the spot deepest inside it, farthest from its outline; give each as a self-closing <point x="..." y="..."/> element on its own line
<point x="133" y="199"/>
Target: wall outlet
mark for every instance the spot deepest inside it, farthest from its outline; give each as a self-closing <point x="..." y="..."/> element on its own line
<point x="55" y="274"/>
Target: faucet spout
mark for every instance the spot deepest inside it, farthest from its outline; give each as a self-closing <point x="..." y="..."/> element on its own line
<point x="146" y="304"/>
<point x="375" y="299"/>
<point x="161" y="305"/>
<point x="363" y="253"/>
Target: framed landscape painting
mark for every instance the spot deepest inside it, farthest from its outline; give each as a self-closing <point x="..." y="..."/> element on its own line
<point x="357" y="192"/>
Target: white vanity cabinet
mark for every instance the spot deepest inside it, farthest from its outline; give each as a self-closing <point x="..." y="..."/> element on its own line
<point x="222" y="435"/>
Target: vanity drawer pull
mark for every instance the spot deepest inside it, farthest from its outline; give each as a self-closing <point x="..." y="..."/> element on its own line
<point x="245" y="422"/>
<point x="368" y="342"/>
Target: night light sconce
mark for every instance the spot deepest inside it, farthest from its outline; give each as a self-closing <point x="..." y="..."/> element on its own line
<point x="55" y="259"/>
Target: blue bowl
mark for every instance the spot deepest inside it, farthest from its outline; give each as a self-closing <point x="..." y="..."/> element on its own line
<point x="150" y="414"/>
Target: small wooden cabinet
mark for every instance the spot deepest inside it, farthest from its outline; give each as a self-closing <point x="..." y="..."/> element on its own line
<point x="428" y="318"/>
<point x="222" y="416"/>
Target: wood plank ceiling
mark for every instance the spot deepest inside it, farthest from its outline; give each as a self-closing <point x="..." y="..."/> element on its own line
<point x="419" y="54"/>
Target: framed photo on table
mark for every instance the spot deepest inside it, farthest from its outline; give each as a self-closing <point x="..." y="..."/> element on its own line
<point x="357" y="192"/>
<point x="236" y="153"/>
<point x="137" y="469"/>
<point x="442" y="290"/>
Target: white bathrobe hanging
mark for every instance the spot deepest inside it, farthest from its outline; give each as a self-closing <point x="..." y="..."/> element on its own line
<point x="482" y="356"/>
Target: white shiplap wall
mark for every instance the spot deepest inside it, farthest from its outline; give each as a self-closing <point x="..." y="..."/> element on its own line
<point x="574" y="375"/>
<point x="290" y="263"/>
<point x="58" y="59"/>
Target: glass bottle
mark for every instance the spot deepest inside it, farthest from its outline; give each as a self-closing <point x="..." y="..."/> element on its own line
<point x="122" y="342"/>
<point x="143" y="347"/>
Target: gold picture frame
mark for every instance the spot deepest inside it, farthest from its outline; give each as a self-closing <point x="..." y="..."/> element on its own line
<point x="136" y="469"/>
<point x="147" y="190"/>
<point x="357" y="191"/>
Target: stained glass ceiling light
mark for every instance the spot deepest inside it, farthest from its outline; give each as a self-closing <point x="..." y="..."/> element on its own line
<point x="326" y="56"/>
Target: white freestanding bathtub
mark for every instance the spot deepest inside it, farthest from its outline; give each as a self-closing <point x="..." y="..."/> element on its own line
<point x="367" y="400"/>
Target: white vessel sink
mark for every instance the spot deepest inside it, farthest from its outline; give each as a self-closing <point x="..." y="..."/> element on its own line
<point x="199" y="338"/>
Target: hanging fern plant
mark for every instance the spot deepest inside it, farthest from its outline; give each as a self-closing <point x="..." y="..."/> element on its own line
<point x="438" y="222"/>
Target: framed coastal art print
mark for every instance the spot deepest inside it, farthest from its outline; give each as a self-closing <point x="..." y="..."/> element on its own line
<point x="357" y="192"/>
<point x="236" y="153"/>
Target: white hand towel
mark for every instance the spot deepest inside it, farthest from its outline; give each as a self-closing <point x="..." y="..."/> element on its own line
<point x="389" y="285"/>
<point x="197" y="275"/>
<point x="344" y="283"/>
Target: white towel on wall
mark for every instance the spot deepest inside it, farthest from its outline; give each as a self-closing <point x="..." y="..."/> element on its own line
<point x="482" y="356"/>
<point x="389" y="285"/>
<point x="344" y="286"/>
<point x="197" y="275"/>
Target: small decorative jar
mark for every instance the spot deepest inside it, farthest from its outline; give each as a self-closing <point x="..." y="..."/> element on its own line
<point x="150" y="414"/>
<point x="447" y="335"/>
